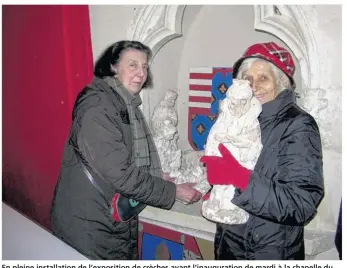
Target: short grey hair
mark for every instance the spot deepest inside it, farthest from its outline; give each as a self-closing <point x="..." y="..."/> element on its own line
<point x="282" y="80"/>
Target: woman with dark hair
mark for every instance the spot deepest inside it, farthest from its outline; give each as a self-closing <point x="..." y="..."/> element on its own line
<point x="110" y="156"/>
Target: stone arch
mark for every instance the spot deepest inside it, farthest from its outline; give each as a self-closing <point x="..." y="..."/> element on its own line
<point x="157" y="25"/>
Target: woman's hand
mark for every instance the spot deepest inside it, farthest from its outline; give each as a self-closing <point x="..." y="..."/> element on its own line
<point x="225" y="170"/>
<point x="186" y="193"/>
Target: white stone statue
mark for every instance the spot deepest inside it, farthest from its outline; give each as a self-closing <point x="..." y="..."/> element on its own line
<point x="192" y="170"/>
<point x="183" y="167"/>
<point x="164" y="129"/>
<point x="237" y="127"/>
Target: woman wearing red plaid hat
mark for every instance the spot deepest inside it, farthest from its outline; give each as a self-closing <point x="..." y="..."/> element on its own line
<point x="283" y="191"/>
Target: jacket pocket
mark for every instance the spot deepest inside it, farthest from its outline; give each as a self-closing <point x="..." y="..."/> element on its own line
<point x="125" y="117"/>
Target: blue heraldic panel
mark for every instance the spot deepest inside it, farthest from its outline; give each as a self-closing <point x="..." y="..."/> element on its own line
<point x="201" y="120"/>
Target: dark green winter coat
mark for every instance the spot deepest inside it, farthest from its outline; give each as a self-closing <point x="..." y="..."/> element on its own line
<point x="80" y="216"/>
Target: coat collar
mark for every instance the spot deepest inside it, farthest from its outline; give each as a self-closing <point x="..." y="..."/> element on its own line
<point x="274" y="108"/>
<point x="113" y="83"/>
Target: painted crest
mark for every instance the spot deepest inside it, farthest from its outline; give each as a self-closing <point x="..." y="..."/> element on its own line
<point x="207" y="87"/>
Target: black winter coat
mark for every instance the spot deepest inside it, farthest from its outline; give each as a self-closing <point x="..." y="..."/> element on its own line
<point x="80" y="216"/>
<point x="284" y="190"/>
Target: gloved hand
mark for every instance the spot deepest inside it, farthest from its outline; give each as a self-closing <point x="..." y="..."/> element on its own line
<point x="225" y="170"/>
<point x="206" y="196"/>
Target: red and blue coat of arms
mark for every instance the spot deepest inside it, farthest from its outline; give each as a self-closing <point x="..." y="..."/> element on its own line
<point x="207" y="87"/>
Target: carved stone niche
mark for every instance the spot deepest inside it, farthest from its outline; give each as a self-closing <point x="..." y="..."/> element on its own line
<point x="157" y="25"/>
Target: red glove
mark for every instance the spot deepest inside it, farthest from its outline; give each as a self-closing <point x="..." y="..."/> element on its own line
<point x="225" y="170"/>
<point x="206" y="196"/>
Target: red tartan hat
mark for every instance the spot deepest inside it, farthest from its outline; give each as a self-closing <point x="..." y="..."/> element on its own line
<point x="273" y="53"/>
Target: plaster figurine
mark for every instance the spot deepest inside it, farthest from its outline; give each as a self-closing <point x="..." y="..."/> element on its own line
<point x="237" y="127"/>
<point x="181" y="166"/>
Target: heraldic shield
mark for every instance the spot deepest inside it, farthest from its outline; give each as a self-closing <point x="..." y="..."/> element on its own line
<point x="207" y="88"/>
